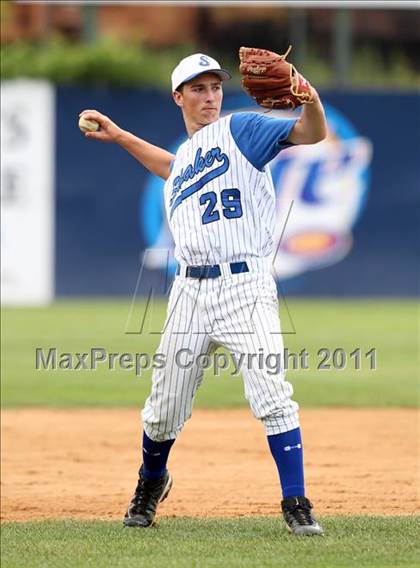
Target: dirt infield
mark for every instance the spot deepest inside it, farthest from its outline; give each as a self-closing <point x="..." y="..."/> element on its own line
<point x="82" y="463"/>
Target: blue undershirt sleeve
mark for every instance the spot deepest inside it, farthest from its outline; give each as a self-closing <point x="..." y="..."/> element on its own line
<point x="260" y="138"/>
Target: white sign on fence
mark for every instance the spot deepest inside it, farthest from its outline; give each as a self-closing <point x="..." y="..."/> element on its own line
<point x="27" y="192"/>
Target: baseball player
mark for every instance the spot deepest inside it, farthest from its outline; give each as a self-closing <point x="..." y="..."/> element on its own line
<point x="220" y="205"/>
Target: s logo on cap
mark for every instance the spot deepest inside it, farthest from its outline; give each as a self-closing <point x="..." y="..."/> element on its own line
<point x="192" y="66"/>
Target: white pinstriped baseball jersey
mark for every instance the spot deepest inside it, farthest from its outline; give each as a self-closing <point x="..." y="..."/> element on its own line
<point x="220" y="198"/>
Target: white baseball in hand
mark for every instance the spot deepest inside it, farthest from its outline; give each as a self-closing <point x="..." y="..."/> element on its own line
<point x="88" y="125"/>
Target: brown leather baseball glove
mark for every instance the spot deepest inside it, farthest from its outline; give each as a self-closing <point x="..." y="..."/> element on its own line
<point x="271" y="80"/>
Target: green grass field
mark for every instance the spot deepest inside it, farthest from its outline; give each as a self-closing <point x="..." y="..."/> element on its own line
<point x="358" y="542"/>
<point x="388" y="326"/>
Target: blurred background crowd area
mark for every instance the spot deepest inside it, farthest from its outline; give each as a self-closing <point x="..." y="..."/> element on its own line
<point x="127" y="44"/>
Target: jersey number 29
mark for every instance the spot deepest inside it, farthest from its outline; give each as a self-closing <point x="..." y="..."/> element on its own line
<point x="231" y="202"/>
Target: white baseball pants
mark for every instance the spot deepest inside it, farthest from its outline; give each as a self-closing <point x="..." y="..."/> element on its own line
<point x="238" y="312"/>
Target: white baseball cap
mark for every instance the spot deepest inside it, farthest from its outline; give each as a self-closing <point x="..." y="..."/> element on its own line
<point x="194" y="65"/>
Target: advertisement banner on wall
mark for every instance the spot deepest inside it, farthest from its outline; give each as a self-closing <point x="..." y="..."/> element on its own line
<point x="27" y="192"/>
<point x="347" y="207"/>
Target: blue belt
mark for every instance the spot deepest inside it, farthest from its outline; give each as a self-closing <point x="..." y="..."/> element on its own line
<point x="213" y="271"/>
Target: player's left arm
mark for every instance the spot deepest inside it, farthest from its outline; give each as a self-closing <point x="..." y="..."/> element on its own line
<point x="311" y="127"/>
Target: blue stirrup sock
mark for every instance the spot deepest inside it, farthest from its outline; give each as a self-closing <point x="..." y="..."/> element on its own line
<point x="155" y="457"/>
<point x="287" y="452"/>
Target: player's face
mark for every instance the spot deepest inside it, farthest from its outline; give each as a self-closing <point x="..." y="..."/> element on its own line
<point x="201" y="99"/>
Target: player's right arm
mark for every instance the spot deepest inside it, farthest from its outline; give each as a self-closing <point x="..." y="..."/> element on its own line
<point x="155" y="159"/>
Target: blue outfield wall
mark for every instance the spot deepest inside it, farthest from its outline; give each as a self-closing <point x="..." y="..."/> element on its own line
<point x="99" y="234"/>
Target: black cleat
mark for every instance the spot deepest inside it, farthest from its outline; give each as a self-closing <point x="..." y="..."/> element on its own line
<point x="298" y="517"/>
<point x="148" y="494"/>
